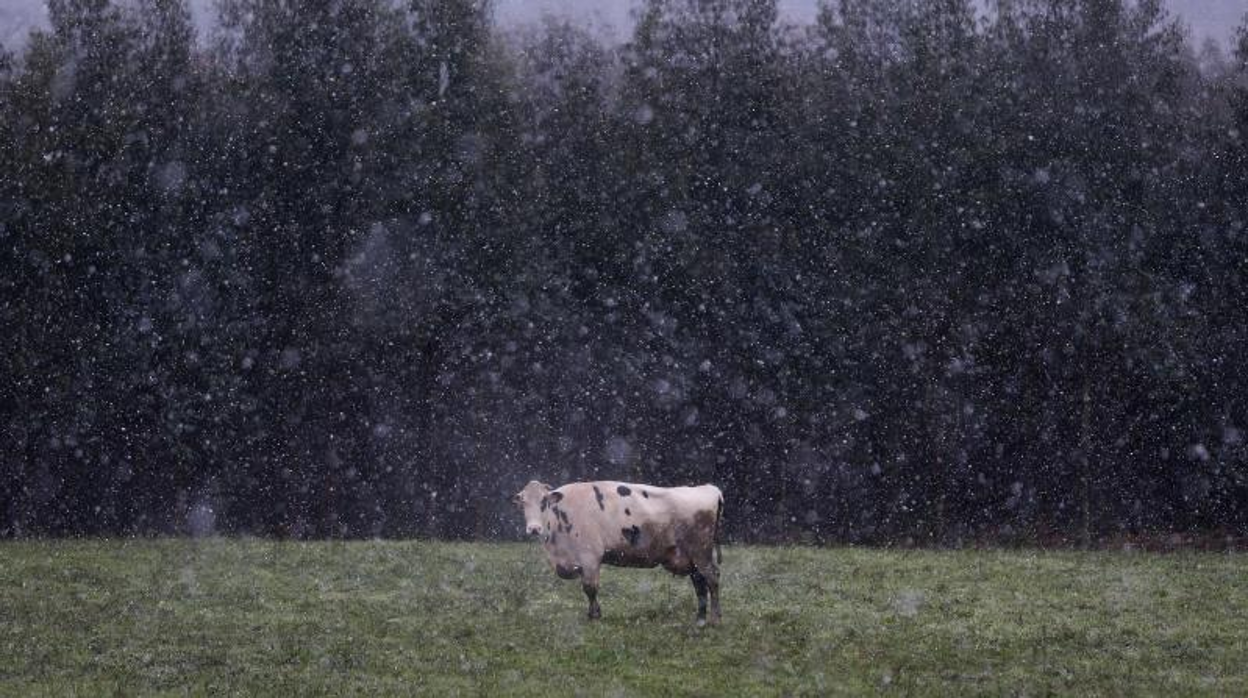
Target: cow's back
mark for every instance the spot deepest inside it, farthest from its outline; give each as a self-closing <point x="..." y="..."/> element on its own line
<point x="613" y="500"/>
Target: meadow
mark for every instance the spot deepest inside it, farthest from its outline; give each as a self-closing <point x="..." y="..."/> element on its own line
<point x="250" y="616"/>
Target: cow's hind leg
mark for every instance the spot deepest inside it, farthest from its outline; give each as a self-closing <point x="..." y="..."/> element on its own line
<point x="589" y="583"/>
<point x="712" y="585"/>
<point x="699" y="587"/>
<point x="708" y="571"/>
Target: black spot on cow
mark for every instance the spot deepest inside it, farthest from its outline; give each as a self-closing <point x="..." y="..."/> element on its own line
<point x="555" y="497"/>
<point x="552" y="537"/>
<point x="624" y="491"/>
<point x="627" y="512"/>
<point x="632" y="535"/>
<point x="562" y="515"/>
<point x="645" y="494"/>
<point x="598" y="496"/>
<point x="545" y="503"/>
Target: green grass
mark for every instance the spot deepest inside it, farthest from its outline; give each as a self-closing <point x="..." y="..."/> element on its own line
<point x="251" y="616"/>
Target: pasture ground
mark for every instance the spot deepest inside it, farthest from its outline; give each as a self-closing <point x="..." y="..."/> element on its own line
<point x="246" y="616"/>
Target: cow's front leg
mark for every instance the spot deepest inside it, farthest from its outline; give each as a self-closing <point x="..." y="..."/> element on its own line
<point x="589" y="583"/>
<point x="699" y="587"/>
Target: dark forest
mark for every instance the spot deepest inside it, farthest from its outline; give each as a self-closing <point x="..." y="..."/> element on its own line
<point x="356" y="268"/>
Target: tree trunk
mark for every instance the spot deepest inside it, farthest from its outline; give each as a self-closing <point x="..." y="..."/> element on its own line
<point x="1085" y="479"/>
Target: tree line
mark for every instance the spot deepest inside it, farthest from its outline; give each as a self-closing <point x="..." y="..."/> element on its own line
<point x="364" y="267"/>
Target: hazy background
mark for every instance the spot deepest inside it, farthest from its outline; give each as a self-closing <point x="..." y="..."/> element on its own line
<point x="1215" y="19"/>
<point x="374" y="264"/>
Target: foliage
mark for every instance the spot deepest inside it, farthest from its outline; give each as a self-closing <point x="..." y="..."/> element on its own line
<point x="362" y="268"/>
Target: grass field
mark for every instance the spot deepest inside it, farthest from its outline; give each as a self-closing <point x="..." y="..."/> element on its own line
<point x="251" y="616"/>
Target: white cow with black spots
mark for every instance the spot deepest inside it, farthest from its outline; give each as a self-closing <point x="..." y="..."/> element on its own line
<point x="583" y="525"/>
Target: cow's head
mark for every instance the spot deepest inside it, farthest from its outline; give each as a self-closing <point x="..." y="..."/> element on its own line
<point x="529" y="500"/>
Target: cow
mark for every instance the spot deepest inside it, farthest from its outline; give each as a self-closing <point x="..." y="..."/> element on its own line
<point x="583" y="525"/>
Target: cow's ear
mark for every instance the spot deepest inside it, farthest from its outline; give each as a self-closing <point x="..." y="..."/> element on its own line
<point x="554" y="497"/>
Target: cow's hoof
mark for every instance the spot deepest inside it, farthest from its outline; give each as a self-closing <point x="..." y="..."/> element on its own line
<point x="701" y="622"/>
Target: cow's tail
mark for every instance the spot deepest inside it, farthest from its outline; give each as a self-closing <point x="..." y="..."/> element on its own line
<point x="719" y="517"/>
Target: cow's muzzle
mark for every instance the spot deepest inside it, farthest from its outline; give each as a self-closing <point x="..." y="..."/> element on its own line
<point x="535" y="530"/>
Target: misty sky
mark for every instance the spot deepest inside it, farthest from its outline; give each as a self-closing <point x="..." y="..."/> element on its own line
<point x="1207" y="18"/>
